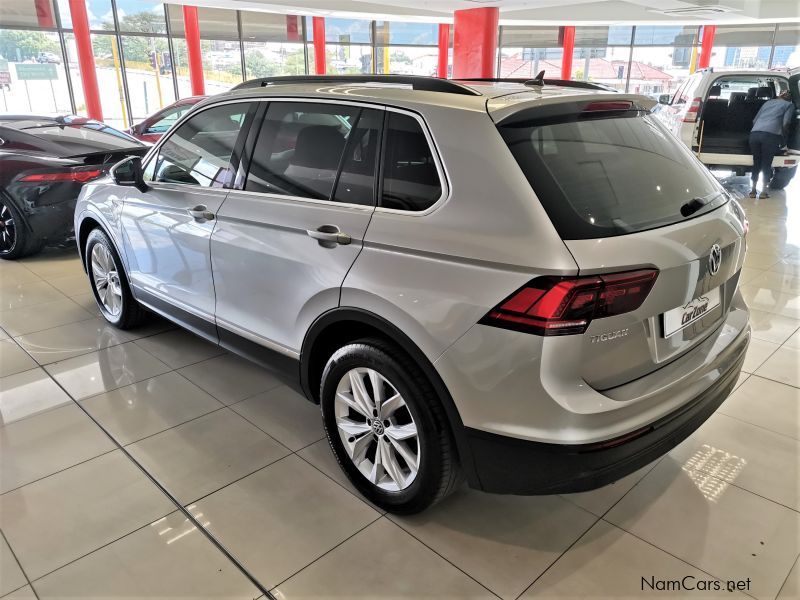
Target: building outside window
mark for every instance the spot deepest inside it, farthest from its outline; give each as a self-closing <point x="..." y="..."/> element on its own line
<point x="142" y="61"/>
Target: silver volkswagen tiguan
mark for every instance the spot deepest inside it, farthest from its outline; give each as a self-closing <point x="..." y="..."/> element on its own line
<point x="532" y="286"/>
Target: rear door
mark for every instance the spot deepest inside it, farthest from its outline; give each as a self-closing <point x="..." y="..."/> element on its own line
<point x="288" y="236"/>
<point x="619" y="190"/>
<point x="167" y="229"/>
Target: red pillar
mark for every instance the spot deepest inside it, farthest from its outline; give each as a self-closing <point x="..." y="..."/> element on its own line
<point x="83" y="43"/>
<point x="475" y="42"/>
<point x="568" y="44"/>
<point x="191" y="26"/>
<point x="706" y="46"/>
<point x="44" y="13"/>
<point x="320" y="61"/>
<point x="444" y="50"/>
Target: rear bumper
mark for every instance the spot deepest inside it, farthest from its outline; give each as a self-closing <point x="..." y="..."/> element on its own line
<point x="507" y="465"/>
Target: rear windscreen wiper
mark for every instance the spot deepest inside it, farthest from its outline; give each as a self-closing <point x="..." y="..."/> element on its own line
<point x="695" y="204"/>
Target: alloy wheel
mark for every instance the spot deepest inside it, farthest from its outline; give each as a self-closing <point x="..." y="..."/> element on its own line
<point x="106" y="280"/>
<point x="8" y="230"/>
<point x="377" y="429"/>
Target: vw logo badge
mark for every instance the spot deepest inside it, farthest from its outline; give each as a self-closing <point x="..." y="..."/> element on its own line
<point x="715" y="259"/>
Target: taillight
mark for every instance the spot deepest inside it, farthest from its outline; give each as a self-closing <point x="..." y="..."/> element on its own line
<point x="693" y="111"/>
<point x="78" y="175"/>
<point x="566" y="305"/>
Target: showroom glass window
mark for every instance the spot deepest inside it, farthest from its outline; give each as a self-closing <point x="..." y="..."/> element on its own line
<point x="742" y="47"/>
<point x="410" y="177"/>
<point x="663" y="58"/>
<point x="601" y="55"/>
<point x="273" y="45"/>
<point x="526" y="50"/>
<point x="406" y="48"/>
<point x="146" y="56"/>
<point x="199" y="151"/>
<point x="219" y="44"/>
<point x="348" y="46"/>
<point x="300" y="148"/>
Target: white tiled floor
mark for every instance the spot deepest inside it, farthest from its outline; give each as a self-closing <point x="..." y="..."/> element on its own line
<point x="248" y="460"/>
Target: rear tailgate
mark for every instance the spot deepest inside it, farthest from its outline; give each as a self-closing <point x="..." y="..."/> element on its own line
<point x="686" y="303"/>
<point x="624" y="195"/>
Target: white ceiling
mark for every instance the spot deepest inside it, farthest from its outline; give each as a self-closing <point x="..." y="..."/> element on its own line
<point x="536" y="11"/>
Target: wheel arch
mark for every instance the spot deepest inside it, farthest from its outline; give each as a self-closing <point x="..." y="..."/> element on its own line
<point x="340" y="326"/>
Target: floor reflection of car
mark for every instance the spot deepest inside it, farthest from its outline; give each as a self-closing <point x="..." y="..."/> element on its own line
<point x="713" y="114"/>
<point x="157" y="124"/>
<point x="44" y="161"/>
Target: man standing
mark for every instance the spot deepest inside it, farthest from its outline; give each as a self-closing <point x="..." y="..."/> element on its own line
<point x="770" y="128"/>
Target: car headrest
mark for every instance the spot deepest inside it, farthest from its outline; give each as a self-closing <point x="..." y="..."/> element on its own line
<point x="318" y="146"/>
<point x="751" y="93"/>
<point x="766" y="92"/>
<point x="716" y="90"/>
<point x="737" y="98"/>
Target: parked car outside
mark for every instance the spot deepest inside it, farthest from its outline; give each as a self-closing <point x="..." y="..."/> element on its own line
<point x="157" y="124"/>
<point x="712" y="113"/>
<point x="543" y="313"/>
<point x="48" y="57"/>
<point x="44" y="161"/>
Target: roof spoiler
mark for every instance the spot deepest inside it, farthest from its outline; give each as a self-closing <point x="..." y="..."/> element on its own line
<point x="416" y="82"/>
<point x="540" y="81"/>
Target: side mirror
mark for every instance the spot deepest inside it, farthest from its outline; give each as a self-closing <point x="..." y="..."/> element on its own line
<point x="664" y="99"/>
<point x="129" y="172"/>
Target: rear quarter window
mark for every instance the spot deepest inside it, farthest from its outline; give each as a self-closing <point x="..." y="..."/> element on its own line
<point x="411" y="179"/>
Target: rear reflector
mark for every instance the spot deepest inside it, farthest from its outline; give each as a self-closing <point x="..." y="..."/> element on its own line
<point x="566" y="305"/>
<point x="693" y="111"/>
<point x="78" y="175"/>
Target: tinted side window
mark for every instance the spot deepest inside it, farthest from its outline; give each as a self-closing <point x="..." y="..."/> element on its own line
<point x="410" y="179"/>
<point x="199" y="151"/>
<point x="299" y="149"/>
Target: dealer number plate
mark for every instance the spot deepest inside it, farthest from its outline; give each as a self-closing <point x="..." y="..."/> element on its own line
<point x="683" y="316"/>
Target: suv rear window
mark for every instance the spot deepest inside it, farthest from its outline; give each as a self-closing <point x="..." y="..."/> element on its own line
<point x="613" y="175"/>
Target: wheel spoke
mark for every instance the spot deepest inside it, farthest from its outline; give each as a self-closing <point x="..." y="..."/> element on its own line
<point x="377" y="388"/>
<point x="390" y="405"/>
<point x="411" y="459"/>
<point x="358" y="449"/>
<point x="353" y="428"/>
<point x="360" y="394"/>
<point x="377" y="466"/>
<point x="348" y="399"/>
<point x="390" y="465"/>
<point x="402" y="432"/>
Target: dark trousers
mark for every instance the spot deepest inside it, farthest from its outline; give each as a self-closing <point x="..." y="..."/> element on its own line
<point x="764" y="147"/>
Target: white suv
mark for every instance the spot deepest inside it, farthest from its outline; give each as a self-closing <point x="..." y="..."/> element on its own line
<point x="713" y="113"/>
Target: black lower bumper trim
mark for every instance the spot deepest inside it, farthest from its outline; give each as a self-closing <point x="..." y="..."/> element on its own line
<point x="508" y="465"/>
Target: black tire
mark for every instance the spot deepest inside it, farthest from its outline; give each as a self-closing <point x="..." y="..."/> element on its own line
<point x="16" y="240"/>
<point x="782" y="177"/>
<point x="438" y="473"/>
<point x="131" y="312"/>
